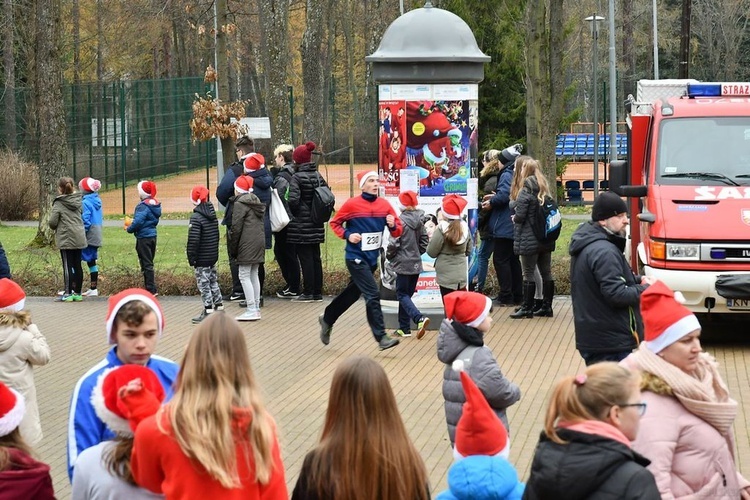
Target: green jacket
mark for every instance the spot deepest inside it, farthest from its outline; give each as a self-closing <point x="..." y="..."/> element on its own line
<point x="66" y="220"/>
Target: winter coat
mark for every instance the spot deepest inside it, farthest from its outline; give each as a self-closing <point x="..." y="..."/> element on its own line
<point x="146" y="218"/>
<point x="203" y="236"/>
<point x="281" y="183"/>
<point x="4" y="266"/>
<point x="225" y="190"/>
<point x="482" y="477"/>
<point x="262" y="180"/>
<point x="246" y="241"/>
<point x="92" y="219"/>
<point x="526" y="217"/>
<point x="67" y="222"/>
<point x="301" y="229"/>
<point x="405" y="252"/>
<point x="588" y="467"/>
<point x="487" y="185"/>
<point x="22" y="346"/>
<point x="500" y="224"/>
<point x="25" y="478"/>
<point x="500" y="392"/>
<point x="451" y="267"/>
<point x="605" y="292"/>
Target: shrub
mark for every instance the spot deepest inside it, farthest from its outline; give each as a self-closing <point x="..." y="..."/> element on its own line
<point x="19" y="198"/>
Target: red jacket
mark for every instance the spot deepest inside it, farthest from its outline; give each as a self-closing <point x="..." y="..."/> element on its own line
<point x="25" y="478"/>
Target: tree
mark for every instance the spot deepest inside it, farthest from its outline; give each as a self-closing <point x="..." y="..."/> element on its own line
<point x="314" y="62"/>
<point x="274" y="21"/>
<point x="9" y="61"/>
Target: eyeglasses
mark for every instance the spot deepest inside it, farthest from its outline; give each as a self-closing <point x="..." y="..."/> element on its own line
<point x="641" y="407"/>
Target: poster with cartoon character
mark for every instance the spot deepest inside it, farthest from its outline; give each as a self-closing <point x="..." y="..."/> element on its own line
<point x="392" y="149"/>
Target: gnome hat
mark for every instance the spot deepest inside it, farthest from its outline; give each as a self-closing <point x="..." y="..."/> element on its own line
<point x="363" y="176"/>
<point x="408" y="199"/>
<point x="12" y="296"/>
<point x="199" y="195"/>
<point x="117" y="301"/>
<point x="468" y="308"/>
<point x="146" y="189"/>
<point x="453" y="205"/>
<point x="253" y="162"/>
<point x="244" y="184"/>
<point x="89" y="184"/>
<point x="12" y="408"/>
<point x="665" y="319"/>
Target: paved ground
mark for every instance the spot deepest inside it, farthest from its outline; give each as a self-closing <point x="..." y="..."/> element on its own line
<point x="295" y="371"/>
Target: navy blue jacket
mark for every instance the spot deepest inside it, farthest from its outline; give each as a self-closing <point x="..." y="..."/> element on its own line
<point x="225" y="190"/>
<point x="500" y="224"/>
<point x="4" y="266"/>
<point x="146" y="218"/>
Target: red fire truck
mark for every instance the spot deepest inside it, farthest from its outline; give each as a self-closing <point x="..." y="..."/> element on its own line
<point x="687" y="177"/>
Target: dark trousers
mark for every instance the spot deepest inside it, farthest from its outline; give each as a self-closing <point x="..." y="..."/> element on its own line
<point x="362" y="282"/>
<point x="286" y="256"/>
<point x="529" y="264"/>
<point x="72" y="270"/>
<point x="508" y="269"/>
<point x="146" y="249"/>
<point x="312" y="269"/>
<point x="445" y="291"/>
<point x="406" y="285"/>
<point x="234" y="270"/>
<point x="591" y="358"/>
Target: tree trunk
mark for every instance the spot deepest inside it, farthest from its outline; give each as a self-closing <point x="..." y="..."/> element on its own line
<point x="222" y="71"/>
<point x="274" y="20"/>
<point x="9" y="61"/>
<point x="313" y="80"/>
<point x="49" y="107"/>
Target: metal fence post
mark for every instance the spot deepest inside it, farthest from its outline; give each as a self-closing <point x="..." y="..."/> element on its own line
<point x="122" y="141"/>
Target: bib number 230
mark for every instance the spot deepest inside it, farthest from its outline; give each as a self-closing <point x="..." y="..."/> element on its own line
<point x="371" y="241"/>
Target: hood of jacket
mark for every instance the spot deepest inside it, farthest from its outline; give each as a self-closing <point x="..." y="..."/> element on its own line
<point x="456" y="338"/>
<point x="589" y="232"/>
<point x="93" y="200"/>
<point x="11" y="326"/>
<point x="443" y="225"/>
<point x="531" y="184"/>
<point x="307" y="167"/>
<point x="206" y="210"/>
<point x="412" y="218"/>
<point x="481" y="477"/>
<point x="253" y="202"/>
<point x="154" y="205"/>
<point x="72" y="201"/>
<point x="25" y="478"/>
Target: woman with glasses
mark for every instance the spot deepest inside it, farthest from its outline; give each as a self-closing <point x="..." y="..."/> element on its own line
<point x="687" y="432"/>
<point x="584" y="451"/>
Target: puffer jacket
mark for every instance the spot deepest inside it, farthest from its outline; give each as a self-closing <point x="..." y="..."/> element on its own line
<point x="689" y="457"/>
<point x="203" y="236"/>
<point x="92" y="219"/>
<point x="451" y="267"/>
<point x="246" y="242"/>
<point x="301" y="228"/>
<point x="500" y="224"/>
<point x="67" y="221"/>
<point x="262" y="180"/>
<point x="487" y="185"/>
<point x="525" y="218"/>
<point x="588" y="467"/>
<point x="605" y="293"/>
<point x="405" y="252"/>
<point x="225" y="190"/>
<point x="500" y="392"/>
<point x="23" y="346"/>
<point x="146" y="218"/>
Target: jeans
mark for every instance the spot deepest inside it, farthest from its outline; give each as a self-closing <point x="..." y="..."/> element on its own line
<point x="406" y="285"/>
<point x="250" y="283"/>
<point x="486" y="247"/>
<point x="312" y="269"/>
<point x="508" y="269"/>
<point x="146" y="249"/>
<point x="591" y="358"/>
<point x="286" y="256"/>
<point x="362" y="282"/>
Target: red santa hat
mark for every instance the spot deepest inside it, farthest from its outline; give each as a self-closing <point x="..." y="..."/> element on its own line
<point x="146" y="189"/>
<point x="408" y="199"/>
<point x="453" y="205"/>
<point x="117" y="301"/>
<point x="363" y="176"/>
<point x="665" y="319"/>
<point x="89" y="184"/>
<point x="12" y="296"/>
<point x="479" y="430"/>
<point x="199" y="195"/>
<point x="469" y="308"/>
<point x="253" y="162"/>
<point x="106" y="400"/>
<point x="12" y="408"/>
<point x="244" y="184"/>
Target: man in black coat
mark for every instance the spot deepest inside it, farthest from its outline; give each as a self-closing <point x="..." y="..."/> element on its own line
<point x="604" y="290"/>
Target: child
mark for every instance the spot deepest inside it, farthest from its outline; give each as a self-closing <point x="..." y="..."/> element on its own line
<point x="20" y="475"/>
<point x="405" y="255"/>
<point x="103" y="471"/>
<point x="215" y="439"/>
<point x="247" y="243"/>
<point x="450" y="245"/>
<point x="467" y="320"/>
<point x="22" y="346"/>
<point x="203" y="251"/>
<point x="66" y="220"/>
<point x="92" y="223"/>
<point x="143" y="225"/>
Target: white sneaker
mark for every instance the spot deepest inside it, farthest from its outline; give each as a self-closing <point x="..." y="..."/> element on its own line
<point x="249" y="315"/>
<point x="91" y="293"/>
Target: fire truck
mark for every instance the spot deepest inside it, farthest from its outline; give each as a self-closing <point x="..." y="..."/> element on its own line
<point x="687" y="179"/>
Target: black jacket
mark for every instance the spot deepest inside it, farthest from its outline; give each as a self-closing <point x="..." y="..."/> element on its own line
<point x="225" y="190"/>
<point x="588" y="467"/>
<point x="301" y="228"/>
<point x="605" y="293"/>
<point x="4" y="266"/>
<point x="525" y="218"/>
<point x="203" y="236"/>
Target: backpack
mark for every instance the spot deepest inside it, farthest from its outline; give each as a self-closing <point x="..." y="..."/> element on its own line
<point x="548" y="221"/>
<point x="323" y="202"/>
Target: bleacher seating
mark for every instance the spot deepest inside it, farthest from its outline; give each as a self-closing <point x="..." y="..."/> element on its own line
<point x="603" y="185"/>
<point x="581" y="146"/>
<point x="588" y="185"/>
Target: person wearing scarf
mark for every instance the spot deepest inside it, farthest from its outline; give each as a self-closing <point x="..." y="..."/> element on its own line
<point x="687" y="432"/>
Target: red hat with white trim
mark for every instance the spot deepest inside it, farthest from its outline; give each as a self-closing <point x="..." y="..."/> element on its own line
<point x="253" y="162"/>
<point x="117" y="301"/>
<point x="146" y="189"/>
<point x="12" y="296"/>
<point x="244" y="184"/>
<point x="468" y="308"/>
<point x="199" y="195"/>
<point x="89" y="184"/>
<point x="12" y="408"/>
<point x="363" y="176"/>
<point x="665" y="319"/>
<point x="453" y="205"/>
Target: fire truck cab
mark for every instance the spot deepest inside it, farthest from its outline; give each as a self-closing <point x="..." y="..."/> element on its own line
<point x="687" y="177"/>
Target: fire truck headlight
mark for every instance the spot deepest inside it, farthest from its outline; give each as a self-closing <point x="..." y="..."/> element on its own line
<point x="683" y="251"/>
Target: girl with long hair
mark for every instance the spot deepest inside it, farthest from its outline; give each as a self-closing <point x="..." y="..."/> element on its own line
<point x="364" y="451"/>
<point x="450" y="245"/>
<point x="215" y="438"/>
<point x="66" y="220"/>
<point x="584" y="450"/>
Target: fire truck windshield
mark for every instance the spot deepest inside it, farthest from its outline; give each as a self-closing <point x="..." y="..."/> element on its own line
<point x="701" y="151"/>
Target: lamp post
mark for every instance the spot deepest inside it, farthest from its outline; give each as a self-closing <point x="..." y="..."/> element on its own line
<point x="656" y="43"/>
<point x="594" y="22"/>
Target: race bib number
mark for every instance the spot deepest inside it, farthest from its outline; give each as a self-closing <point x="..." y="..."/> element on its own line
<point x="371" y="241"/>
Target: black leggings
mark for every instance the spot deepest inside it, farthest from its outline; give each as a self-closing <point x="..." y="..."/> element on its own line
<point x="72" y="270"/>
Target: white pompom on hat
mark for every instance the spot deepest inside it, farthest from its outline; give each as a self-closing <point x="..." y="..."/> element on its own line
<point x="12" y="408"/>
<point x="12" y="296"/>
<point x="146" y="189"/>
<point x="116" y="302"/>
<point x="665" y="319"/>
<point x="253" y="162"/>
<point x="244" y="184"/>
<point x="198" y="195"/>
<point x="89" y="184"/>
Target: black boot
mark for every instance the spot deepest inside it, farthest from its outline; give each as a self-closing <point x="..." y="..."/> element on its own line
<point x="549" y="293"/>
<point x="204" y="313"/>
<point x="527" y="307"/>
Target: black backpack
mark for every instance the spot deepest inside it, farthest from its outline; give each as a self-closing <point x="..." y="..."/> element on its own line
<point x="548" y="221"/>
<point x="323" y="202"/>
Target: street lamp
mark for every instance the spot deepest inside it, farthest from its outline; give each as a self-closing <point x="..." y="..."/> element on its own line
<point x="594" y="22"/>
